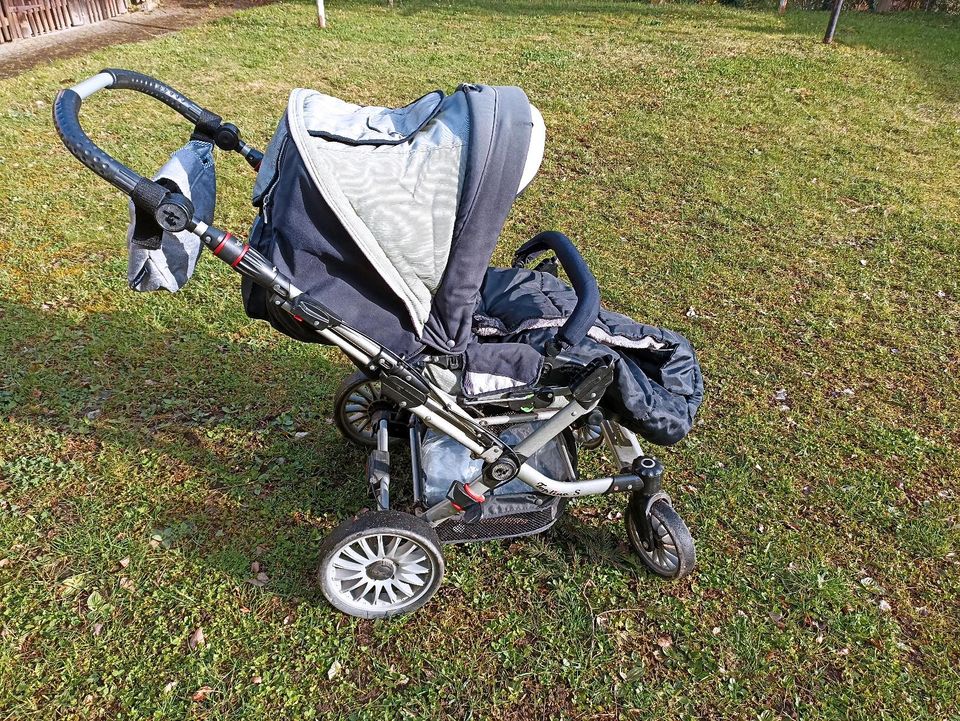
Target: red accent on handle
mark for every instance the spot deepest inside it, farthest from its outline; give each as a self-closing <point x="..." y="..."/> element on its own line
<point x="243" y="252"/>
<point x="228" y="236"/>
<point x="474" y="496"/>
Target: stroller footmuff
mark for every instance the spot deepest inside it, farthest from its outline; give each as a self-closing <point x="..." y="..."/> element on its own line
<point x="374" y="231"/>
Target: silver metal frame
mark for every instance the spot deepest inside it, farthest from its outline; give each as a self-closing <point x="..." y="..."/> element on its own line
<point x="442" y="413"/>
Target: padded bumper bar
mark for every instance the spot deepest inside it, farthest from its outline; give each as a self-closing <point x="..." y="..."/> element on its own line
<point x="585" y="314"/>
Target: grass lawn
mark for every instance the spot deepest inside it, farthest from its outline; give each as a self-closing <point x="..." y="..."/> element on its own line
<point x="802" y="200"/>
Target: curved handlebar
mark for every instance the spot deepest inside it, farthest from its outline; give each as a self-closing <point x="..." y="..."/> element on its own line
<point x="66" y="117"/>
<point x="585" y="313"/>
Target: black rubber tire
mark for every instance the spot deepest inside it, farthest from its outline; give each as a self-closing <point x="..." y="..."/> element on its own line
<point x="671" y="523"/>
<point x="387" y="522"/>
<point x="347" y="386"/>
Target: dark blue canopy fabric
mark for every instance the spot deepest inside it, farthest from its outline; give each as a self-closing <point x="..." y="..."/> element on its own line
<point x="300" y="232"/>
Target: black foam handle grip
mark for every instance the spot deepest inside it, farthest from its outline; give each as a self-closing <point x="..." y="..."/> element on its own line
<point x="129" y="80"/>
<point x="66" y="117"/>
<point x="587" y="309"/>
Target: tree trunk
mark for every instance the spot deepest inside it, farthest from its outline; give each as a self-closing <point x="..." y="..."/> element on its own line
<point x="321" y="14"/>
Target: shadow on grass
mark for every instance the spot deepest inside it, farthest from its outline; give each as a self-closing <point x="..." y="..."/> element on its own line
<point x="227" y="447"/>
<point x="927" y="42"/>
<point x="207" y="435"/>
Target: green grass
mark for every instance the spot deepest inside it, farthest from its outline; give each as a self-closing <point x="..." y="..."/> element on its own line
<point x="803" y="200"/>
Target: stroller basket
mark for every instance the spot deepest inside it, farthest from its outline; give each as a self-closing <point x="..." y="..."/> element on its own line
<point x="512" y="525"/>
<point x="511" y="366"/>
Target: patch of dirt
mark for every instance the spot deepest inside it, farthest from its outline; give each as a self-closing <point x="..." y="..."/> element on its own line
<point x="135" y="26"/>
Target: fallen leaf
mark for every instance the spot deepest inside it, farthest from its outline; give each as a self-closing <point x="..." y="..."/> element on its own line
<point x="202" y="693"/>
<point x="97" y="629"/>
<point x="255" y="567"/>
<point x="257" y="680"/>
<point x="196" y="639"/>
<point x="334" y="670"/>
<point x="664" y="641"/>
<point x="169" y="687"/>
<point x="126" y="583"/>
<point x="73" y="584"/>
<point x="885" y="606"/>
<point x="96" y="602"/>
<point x="124" y="562"/>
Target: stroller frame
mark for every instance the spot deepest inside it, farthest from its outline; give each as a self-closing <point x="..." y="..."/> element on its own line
<point x="570" y="406"/>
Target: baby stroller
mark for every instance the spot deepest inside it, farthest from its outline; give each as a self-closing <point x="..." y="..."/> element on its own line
<point x="374" y="231"/>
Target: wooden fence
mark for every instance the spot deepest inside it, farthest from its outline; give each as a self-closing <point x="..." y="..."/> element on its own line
<point x="26" y="18"/>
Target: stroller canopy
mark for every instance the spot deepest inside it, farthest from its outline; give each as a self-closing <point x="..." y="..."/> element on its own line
<point x="390" y="216"/>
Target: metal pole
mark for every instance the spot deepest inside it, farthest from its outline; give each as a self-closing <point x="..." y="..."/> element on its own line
<point x="832" y="25"/>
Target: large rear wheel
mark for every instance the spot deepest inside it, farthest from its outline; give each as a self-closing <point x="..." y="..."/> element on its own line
<point x="382" y="564"/>
<point x="354" y="405"/>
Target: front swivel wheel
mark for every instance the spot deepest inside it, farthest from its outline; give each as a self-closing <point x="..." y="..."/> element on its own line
<point x="384" y="563"/>
<point x="660" y="537"/>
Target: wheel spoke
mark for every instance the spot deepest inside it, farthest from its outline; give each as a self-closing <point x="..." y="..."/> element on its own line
<point x="349" y="589"/>
<point x="405" y="588"/>
<point x="354" y="554"/>
<point x="348" y="564"/>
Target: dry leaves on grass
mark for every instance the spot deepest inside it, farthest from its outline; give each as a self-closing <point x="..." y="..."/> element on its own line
<point x="202" y="694"/>
<point x="196" y="639"/>
<point x="260" y="577"/>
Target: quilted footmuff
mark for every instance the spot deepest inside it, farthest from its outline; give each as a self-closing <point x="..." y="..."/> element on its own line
<point x="658" y="386"/>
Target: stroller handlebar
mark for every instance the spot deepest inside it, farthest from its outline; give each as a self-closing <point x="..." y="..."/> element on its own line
<point x="145" y="193"/>
<point x="585" y="313"/>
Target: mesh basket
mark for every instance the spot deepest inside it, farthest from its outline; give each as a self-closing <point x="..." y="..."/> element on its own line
<point x="499" y="523"/>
